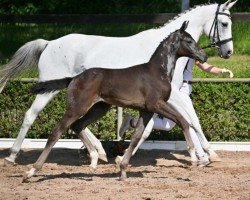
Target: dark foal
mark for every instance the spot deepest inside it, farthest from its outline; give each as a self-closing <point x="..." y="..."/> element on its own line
<point x="144" y="87"/>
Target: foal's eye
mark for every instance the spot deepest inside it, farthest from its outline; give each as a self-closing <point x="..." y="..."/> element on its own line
<point x="189" y="41"/>
<point x="224" y="24"/>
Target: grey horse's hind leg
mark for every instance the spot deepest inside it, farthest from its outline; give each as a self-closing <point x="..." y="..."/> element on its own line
<point x="38" y="105"/>
<point x="91" y="149"/>
<point x="97" y="111"/>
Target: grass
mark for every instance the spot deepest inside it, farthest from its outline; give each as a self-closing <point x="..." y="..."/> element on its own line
<point x="238" y="64"/>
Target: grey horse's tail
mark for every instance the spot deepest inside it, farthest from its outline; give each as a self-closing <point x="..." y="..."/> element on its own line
<point x="25" y="58"/>
<point x="50" y="86"/>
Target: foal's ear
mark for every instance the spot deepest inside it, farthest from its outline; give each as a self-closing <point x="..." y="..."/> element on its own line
<point x="184" y="26"/>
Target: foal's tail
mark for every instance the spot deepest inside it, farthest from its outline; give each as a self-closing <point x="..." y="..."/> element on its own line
<point x="50" y="86"/>
<point x="25" y="58"/>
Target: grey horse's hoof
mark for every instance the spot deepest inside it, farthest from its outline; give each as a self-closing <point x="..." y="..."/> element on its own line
<point x="203" y="163"/>
<point x="92" y="169"/>
<point x="8" y="162"/>
<point x="194" y="163"/>
<point x="103" y="157"/>
<point x="215" y="158"/>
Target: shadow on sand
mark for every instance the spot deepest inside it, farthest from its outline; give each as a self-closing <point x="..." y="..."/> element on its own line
<point x="74" y="158"/>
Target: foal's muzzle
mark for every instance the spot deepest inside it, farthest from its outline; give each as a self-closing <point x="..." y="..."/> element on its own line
<point x="201" y="56"/>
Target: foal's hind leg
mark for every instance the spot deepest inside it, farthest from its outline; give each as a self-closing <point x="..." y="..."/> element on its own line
<point x="140" y="126"/>
<point x="40" y="102"/>
<point x="66" y="121"/>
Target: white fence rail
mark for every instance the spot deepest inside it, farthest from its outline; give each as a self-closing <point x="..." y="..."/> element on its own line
<point x="161" y="145"/>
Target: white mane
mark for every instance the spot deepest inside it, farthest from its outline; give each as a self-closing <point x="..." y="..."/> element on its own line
<point x="185" y="12"/>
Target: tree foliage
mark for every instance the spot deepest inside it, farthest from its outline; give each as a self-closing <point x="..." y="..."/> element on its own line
<point x="102" y="6"/>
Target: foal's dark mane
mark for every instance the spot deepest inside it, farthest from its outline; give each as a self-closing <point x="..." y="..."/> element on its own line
<point x="162" y="43"/>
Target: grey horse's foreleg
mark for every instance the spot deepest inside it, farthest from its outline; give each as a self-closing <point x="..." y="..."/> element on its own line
<point x="185" y="107"/>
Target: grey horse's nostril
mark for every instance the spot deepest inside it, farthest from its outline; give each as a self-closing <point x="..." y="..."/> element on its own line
<point x="229" y="52"/>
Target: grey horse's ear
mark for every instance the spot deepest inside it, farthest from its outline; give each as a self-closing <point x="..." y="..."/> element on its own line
<point x="229" y="4"/>
<point x="184" y="26"/>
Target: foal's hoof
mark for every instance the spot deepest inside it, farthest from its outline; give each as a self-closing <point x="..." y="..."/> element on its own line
<point x="122" y="179"/>
<point x="118" y="161"/>
<point x="25" y="177"/>
<point x="8" y="162"/>
<point x="29" y="174"/>
<point x="123" y="176"/>
<point x="103" y="157"/>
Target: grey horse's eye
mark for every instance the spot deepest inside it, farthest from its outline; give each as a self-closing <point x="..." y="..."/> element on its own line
<point x="225" y="24"/>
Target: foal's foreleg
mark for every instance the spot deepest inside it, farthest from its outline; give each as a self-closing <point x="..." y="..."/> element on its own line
<point x="140" y="126"/>
<point x="165" y="109"/>
<point x="38" y="105"/>
<point x="144" y="136"/>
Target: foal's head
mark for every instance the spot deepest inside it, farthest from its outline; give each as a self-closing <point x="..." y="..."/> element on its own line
<point x="187" y="46"/>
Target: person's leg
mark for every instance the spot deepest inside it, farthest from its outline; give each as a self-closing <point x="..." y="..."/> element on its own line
<point x="163" y="124"/>
<point x="158" y="124"/>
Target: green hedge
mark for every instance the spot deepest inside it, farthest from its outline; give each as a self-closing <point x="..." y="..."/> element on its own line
<point x="223" y="110"/>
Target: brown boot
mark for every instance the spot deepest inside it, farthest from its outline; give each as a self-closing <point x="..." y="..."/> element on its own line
<point x="125" y="125"/>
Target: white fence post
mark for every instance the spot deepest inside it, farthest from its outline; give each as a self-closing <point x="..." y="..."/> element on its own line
<point x="119" y="121"/>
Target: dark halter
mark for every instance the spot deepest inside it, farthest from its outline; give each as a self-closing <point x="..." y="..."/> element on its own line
<point x="216" y="30"/>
